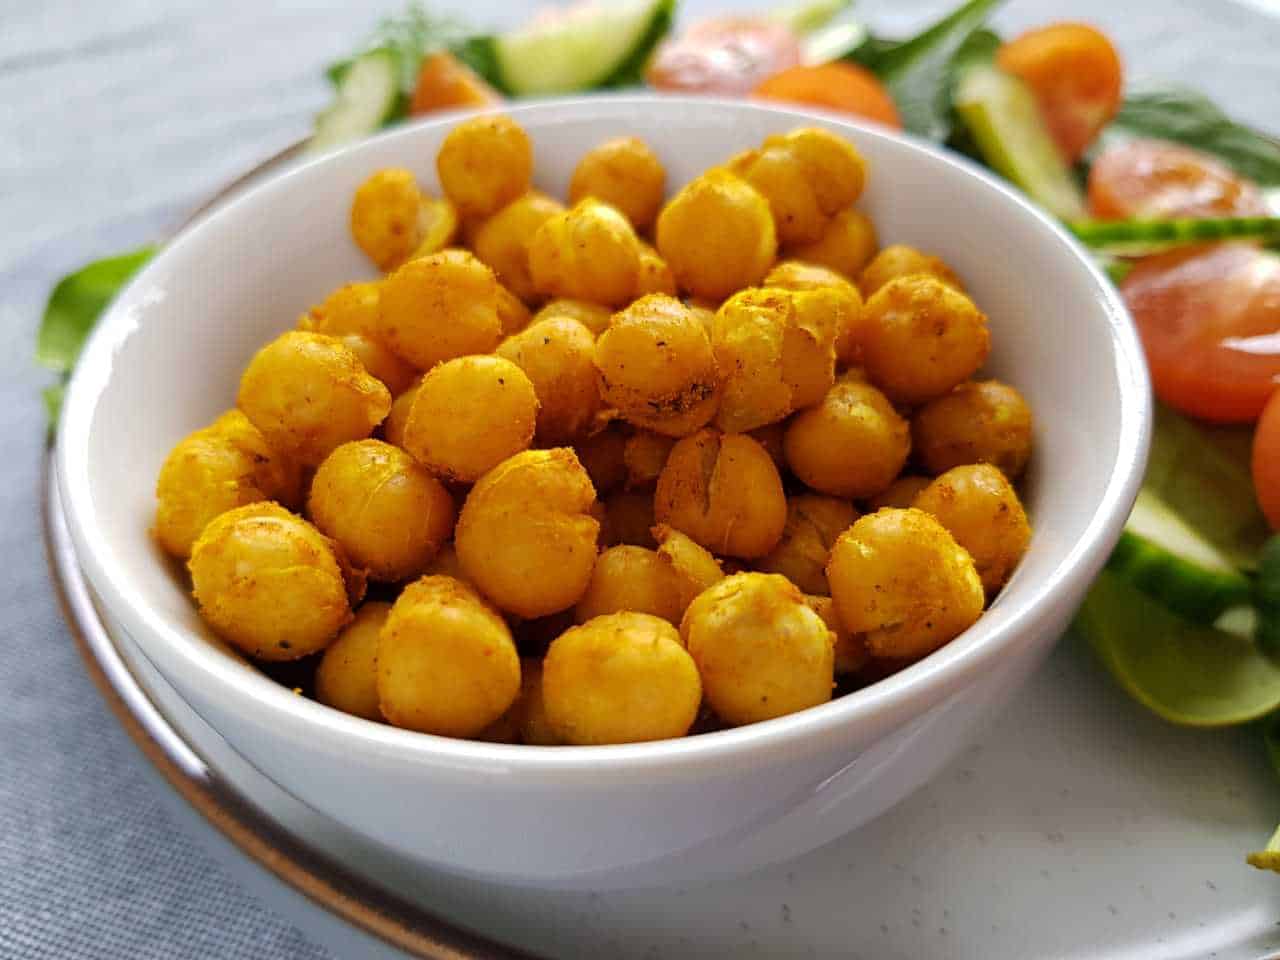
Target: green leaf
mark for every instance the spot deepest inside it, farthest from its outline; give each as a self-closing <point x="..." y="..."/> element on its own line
<point x="75" y="304"/>
<point x="52" y="396"/>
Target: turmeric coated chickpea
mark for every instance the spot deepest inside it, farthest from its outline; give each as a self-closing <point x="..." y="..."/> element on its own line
<point x="591" y="315"/>
<point x="628" y="519"/>
<point x="350" y="313"/>
<point x="558" y="357"/>
<point x="513" y="315"/>
<point x="393" y="426"/>
<point x="978" y="422"/>
<point x="603" y="455"/>
<point x="588" y="252"/>
<point x="813" y="523"/>
<point x="900" y="260"/>
<point x="831" y="165"/>
<point x="851" y="653"/>
<point x="901" y="493"/>
<point x="694" y="566"/>
<point x="774" y="172"/>
<point x="484" y="163"/>
<point x="625" y="173"/>
<point x="770" y="437"/>
<point x="655" y="274"/>
<point x="847" y="243"/>
<point x="347" y="676"/>
<point x="502" y="241"/>
<point x="644" y="455"/>
<point x="630" y="578"/>
<point x="385" y="216"/>
<point x="846" y="302"/>
<point x="437" y="226"/>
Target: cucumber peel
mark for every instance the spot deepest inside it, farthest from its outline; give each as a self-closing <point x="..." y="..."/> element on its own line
<point x="1138" y="237"/>
<point x="367" y="96"/>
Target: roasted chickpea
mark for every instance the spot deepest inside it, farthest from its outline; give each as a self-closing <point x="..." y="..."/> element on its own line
<point x="705" y="311"/>
<point x="724" y="492"/>
<point x="588" y="252"/>
<point x="347" y="677"/>
<point x="899" y="578"/>
<point x="655" y="274"/>
<point x="591" y="315"/>
<point x="603" y="454"/>
<point x="853" y="444"/>
<point x="625" y="173"/>
<point x="388" y="513"/>
<point x="831" y="164"/>
<point x="628" y="518"/>
<point x="645" y="454"/>
<point x="502" y="241"/>
<point x="525" y="720"/>
<point x="901" y="493"/>
<point x="308" y="393"/>
<point x="813" y="523"/>
<point x="437" y="225"/>
<point x="381" y="363"/>
<point x="770" y="437"/>
<point x="717" y="235"/>
<point x="485" y="163"/>
<point x="621" y="678"/>
<point x="979" y="422"/>
<point x="760" y="650"/>
<point x="847" y="243"/>
<point x="630" y="578"/>
<point x="470" y="414"/>
<point x="558" y="357"/>
<point x="385" y="216"/>
<point x="445" y="564"/>
<point x="781" y="180"/>
<point x="851" y="653"/>
<point x="513" y="315"/>
<point x="899" y="260"/>
<point x="393" y="426"/>
<point x="524" y="536"/>
<point x="980" y="508"/>
<point x="352" y="308"/>
<point x="921" y="338"/>
<point x="845" y="302"/>
<point x="269" y="582"/>
<point x="446" y="661"/>
<point x="656" y="367"/>
<point x="439" y="307"/>
<point x="693" y="566"/>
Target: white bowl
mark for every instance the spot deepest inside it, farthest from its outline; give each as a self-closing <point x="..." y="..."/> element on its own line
<point x="166" y="359"/>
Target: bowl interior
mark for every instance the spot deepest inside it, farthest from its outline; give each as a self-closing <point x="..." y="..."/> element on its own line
<point x="168" y="355"/>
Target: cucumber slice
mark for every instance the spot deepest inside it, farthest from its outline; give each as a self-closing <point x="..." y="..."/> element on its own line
<point x="1188" y="674"/>
<point x="1137" y="237"/>
<point x="584" y="48"/>
<point x="1004" y="121"/>
<point x="808" y="16"/>
<point x="1167" y="560"/>
<point x="367" y="95"/>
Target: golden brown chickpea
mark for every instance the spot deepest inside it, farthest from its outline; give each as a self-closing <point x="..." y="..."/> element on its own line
<point x="724" y="492"/>
<point x="470" y="414"/>
<point x="385" y="216"/>
<point x="347" y="677"/>
<point x="901" y="493"/>
<point x="770" y="437"/>
<point x="485" y="163"/>
<point x="445" y="564"/>
<point x="276" y="473"/>
<point x="978" y="422"/>
<point x="396" y="375"/>
<point x="350" y="313"/>
<point x="899" y="578"/>
<point x="760" y="650"/>
<point x="437" y="226"/>
<point x="774" y="172"/>
<point x="846" y="245"/>
<point x="656" y="367"/>
<point x="921" y="338"/>
<point x="831" y="164"/>
<point x="775" y="350"/>
<point x="813" y="523"/>
<point x="851" y="445"/>
<point x="513" y="315"/>
<point x="625" y="173"/>
<point x="645" y="454"/>
<point x="308" y="393"/>
<point x="621" y="678"/>
<point x="603" y="454"/>
<point x="717" y="235"/>
<point x="980" y="508"/>
<point x="588" y="252"/>
<point x="446" y="661"/>
<point x="558" y="357"/>
<point x="846" y="302"/>
<point x="705" y="311"/>
<point x="525" y="720"/>
<point x="393" y="426"/>
<point x="899" y="260"/>
<point x="591" y="315"/>
<point x="502" y="241"/>
<point x="269" y="582"/>
<point x="387" y="512"/>
<point x="851" y="653"/>
<point x="655" y="275"/>
<point x="439" y="307"/>
<point x="693" y="566"/>
<point x="630" y="578"/>
<point x="524" y="536"/>
<point x="628" y="518"/>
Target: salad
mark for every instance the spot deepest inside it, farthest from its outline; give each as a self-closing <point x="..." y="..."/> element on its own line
<point x="1177" y="201"/>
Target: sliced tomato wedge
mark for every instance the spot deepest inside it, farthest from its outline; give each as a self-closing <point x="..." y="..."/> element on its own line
<point x="846" y="87"/>
<point x="723" y="55"/>
<point x="1209" y="318"/>
<point x="1155" y="179"/>
<point x="1266" y="461"/>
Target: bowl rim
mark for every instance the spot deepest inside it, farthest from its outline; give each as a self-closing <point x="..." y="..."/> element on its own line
<point x="892" y="699"/>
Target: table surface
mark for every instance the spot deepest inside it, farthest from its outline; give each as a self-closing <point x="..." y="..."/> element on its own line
<point x="115" y="119"/>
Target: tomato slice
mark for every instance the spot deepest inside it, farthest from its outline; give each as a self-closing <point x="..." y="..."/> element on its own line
<point x="723" y="55"/>
<point x="1209" y="318"/>
<point x="445" y="82"/>
<point x="1155" y="178"/>
<point x="846" y="87"/>
<point x="1266" y="461"/>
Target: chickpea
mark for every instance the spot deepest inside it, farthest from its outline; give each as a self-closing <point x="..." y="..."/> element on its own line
<point x="851" y="653"/>
<point x="396" y="375"/>
<point x="591" y="315"/>
<point x="437" y="226"/>
<point x="813" y="523"/>
<point x="558" y="357"/>
<point x="852" y="445"/>
<point x="350" y="313"/>
<point x="308" y="393"/>
<point x="846" y="245"/>
<point x="630" y="578"/>
<point x="656" y="367"/>
<point x="393" y="426"/>
<point x="621" y="678"/>
<point x="978" y="422"/>
<point x="760" y="650"/>
<point x="513" y="315"/>
<point x="628" y="519"/>
<point x="439" y="307"/>
<point x="899" y="260"/>
<point x="470" y="414"/>
<point x="717" y="234"/>
<point x="603" y="455"/>
<point x="384" y="216"/>
<point x="693" y="566"/>
<point x="724" y="492"/>
<point x="770" y="437"/>
<point x="524" y="537"/>
<point x="446" y="661"/>
<point x="899" y="578"/>
<point x="655" y="274"/>
<point x="588" y="252"/>
<point x="388" y="513"/>
<point x="831" y="164"/>
<point x="980" y="508"/>
<point x="705" y="311"/>
<point x="625" y="173"/>
<point x="502" y="241"/>
<point x="922" y="338"/>
<point x="525" y="720"/>
<point x="901" y="493"/>
<point x="846" y="302"/>
<point x="644" y="455"/>
<point x="774" y="172"/>
<point x="347" y="677"/>
<point x="484" y="163"/>
<point x="269" y="582"/>
<point x="445" y="564"/>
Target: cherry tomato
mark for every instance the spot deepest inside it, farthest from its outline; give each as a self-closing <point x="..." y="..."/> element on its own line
<point x="1155" y="178"/>
<point x="1266" y="461"/>
<point x="724" y="55"/>
<point x="1075" y="73"/>
<point x="846" y="87"/>
<point x="1209" y="318"/>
